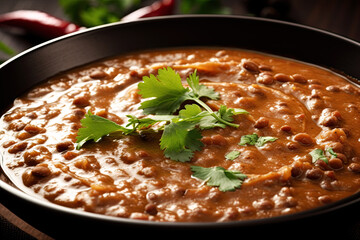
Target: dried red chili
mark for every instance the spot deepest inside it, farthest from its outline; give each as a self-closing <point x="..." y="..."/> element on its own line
<point x="47" y="26"/>
<point x="38" y="23"/>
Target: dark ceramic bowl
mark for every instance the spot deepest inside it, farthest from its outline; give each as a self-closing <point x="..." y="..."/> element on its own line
<point x="275" y="37"/>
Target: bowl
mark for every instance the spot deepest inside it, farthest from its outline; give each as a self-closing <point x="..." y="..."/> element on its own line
<point x="269" y="36"/>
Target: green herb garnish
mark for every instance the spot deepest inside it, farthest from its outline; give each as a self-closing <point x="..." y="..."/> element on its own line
<point x="232" y="155"/>
<point x="181" y="133"/>
<point x="95" y="127"/>
<point x="319" y="154"/>
<point x="255" y="140"/>
<point x="167" y="94"/>
<point x="180" y="139"/>
<point x="226" y="180"/>
<point x="331" y="152"/>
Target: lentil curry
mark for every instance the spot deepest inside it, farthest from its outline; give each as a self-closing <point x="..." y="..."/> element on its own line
<point x="295" y="145"/>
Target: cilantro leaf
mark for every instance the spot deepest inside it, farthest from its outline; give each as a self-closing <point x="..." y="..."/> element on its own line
<point x="205" y="119"/>
<point x="143" y="123"/>
<point x="232" y="155"/>
<point x="255" y="140"/>
<point x="331" y="152"/>
<point x="95" y="127"/>
<point x="176" y="140"/>
<point x="198" y="90"/>
<point x="180" y="140"/>
<point x="221" y="118"/>
<point x="208" y="121"/>
<point x="250" y="139"/>
<point x="263" y="140"/>
<point x="189" y="111"/>
<point x="166" y="91"/>
<point x="137" y="123"/>
<point x="228" y="113"/>
<point x="226" y="180"/>
<point x="318" y="154"/>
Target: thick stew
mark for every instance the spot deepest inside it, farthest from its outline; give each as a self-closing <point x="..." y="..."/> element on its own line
<point x="236" y="135"/>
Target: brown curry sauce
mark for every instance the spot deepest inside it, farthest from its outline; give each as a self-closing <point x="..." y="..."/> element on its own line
<point x="306" y="107"/>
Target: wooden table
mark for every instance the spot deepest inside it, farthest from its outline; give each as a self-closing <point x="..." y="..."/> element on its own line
<point x="337" y="16"/>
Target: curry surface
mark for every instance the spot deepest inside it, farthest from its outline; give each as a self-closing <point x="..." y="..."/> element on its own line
<point x="304" y="106"/>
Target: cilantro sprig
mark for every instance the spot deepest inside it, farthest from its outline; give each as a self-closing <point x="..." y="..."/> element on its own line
<point x="95" y="127"/>
<point x="181" y="134"/>
<point x="255" y="140"/>
<point x="232" y="155"/>
<point x="165" y="95"/>
<point x="318" y="154"/>
<point x="226" y="180"/>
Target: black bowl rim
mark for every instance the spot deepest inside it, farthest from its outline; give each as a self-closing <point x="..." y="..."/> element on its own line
<point x="138" y="21"/>
<point x="15" y="192"/>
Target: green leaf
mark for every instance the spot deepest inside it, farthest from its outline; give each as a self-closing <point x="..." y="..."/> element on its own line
<point x="250" y="139"/>
<point x="331" y="152"/>
<point x="263" y="140"/>
<point x="211" y="120"/>
<point x="227" y="113"/>
<point x="141" y="123"/>
<point x="226" y="180"/>
<point x="95" y="127"/>
<point x="166" y="91"/>
<point x="198" y="90"/>
<point x="255" y="140"/>
<point x="189" y="111"/>
<point x="137" y="123"/>
<point x="318" y="154"/>
<point x="237" y="111"/>
<point x="193" y="113"/>
<point x="208" y="121"/>
<point x="180" y="140"/>
<point x="232" y="155"/>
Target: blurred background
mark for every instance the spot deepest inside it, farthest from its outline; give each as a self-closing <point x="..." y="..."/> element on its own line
<point x="337" y="16"/>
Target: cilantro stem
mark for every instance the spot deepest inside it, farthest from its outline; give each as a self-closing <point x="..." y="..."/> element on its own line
<point x="207" y="108"/>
